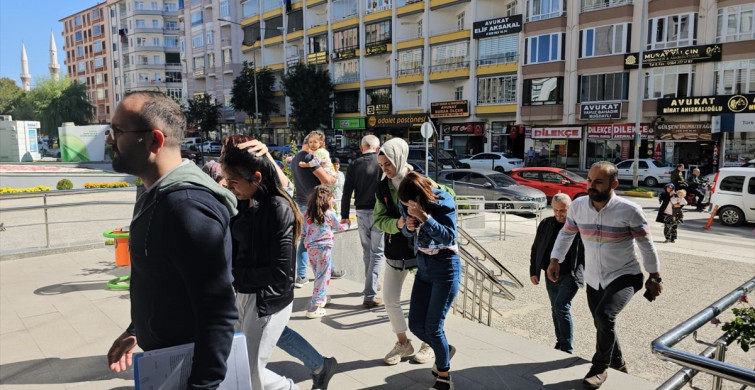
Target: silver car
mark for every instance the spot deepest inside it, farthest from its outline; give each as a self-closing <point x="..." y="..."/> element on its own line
<point x="493" y="186"/>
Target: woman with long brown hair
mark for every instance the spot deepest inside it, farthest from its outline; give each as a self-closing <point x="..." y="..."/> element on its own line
<point x="430" y="215"/>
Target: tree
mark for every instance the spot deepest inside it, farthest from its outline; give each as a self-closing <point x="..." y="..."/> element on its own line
<point x="203" y="113"/>
<point x="242" y="94"/>
<point x="311" y="94"/>
<point x="10" y="95"/>
<point x="52" y="102"/>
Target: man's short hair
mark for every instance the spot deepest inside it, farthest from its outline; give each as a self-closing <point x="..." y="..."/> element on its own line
<point x="160" y="111"/>
<point x="696" y="170"/>
<point x="609" y="168"/>
<point x="563" y="198"/>
<point x="370" y="141"/>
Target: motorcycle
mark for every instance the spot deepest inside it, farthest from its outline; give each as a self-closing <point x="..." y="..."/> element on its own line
<point x="691" y="197"/>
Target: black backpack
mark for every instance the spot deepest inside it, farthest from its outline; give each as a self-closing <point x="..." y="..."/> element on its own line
<point x="399" y="249"/>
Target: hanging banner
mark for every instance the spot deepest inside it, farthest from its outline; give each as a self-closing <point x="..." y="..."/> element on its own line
<point x="597" y="111"/>
<point x="676" y="56"/>
<point x="678" y="131"/>
<point x="454" y="109"/>
<point x="499" y="26"/>
<point x="720" y="104"/>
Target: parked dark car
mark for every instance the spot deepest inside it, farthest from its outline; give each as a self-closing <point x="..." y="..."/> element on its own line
<point x="493" y="186"/>
<point x="446" y="160"/>
<point x="195" y="156"/>
<point x="347" y="154"/>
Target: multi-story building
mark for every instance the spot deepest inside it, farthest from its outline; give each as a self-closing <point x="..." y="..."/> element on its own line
<point x="211" y="47"/>
<point x="87" y="47"/>
<point x="145" y="45"/>
<point x="504" y="75"/>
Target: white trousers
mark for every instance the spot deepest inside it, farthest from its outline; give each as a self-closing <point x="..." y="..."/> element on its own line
<point x="394" y="280"/>
<point x="262" y="334"/>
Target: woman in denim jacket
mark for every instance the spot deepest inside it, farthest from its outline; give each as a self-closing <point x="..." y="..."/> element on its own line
<point x="430" y="217"/>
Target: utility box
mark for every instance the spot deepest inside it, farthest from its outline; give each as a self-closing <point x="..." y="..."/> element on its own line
<point x="82" y="143"/>
<point x="18" y="140"/>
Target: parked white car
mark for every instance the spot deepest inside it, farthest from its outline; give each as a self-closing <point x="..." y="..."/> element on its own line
<point x="651" y="172"/>
<point x="211" y="147"/>
<point x="734" y="193"/>
<point x="497" y="161"/>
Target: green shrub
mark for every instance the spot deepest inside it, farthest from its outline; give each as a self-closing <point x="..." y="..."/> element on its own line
<point x="138" y="181"/>
<point x="109" y="151"/>
<point x="64" y="184"/>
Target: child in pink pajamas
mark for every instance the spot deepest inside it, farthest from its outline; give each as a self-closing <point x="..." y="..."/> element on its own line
<point x="320" y="222"/>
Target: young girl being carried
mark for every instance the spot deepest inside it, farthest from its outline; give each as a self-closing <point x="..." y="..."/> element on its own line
<point x="319" y="155"/>
<point x="320" y="223"/>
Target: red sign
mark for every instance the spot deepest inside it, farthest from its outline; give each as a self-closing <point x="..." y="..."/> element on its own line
<point x="557" y="132"/>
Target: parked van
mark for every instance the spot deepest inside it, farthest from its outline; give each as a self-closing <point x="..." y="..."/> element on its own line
<point x="195" y="142"/>
<point x="734" y="193"/>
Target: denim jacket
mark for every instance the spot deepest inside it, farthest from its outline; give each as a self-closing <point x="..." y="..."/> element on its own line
<point x="439" y="231"/>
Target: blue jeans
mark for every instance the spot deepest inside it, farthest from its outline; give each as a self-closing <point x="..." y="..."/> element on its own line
<point x="293" y="344"/>
<point x="432" y="296"/>
<point x="302" y="259"/>
<point x="561" y="293"/>
<point x="372" y="242"/>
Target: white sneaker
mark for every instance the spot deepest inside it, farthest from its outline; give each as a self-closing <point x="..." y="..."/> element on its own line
<point x="317" y="313"/>
<point x="425" y="354"/>
<point x="398" y="352"/>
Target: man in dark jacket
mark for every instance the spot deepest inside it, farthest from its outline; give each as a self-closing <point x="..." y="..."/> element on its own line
<point x="362" y="178"/>
<point x="180" y="243"/>
<point x="570" y="279"/>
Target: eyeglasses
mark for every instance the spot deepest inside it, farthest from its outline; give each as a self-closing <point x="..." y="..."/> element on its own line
<point x="114" y="133"/>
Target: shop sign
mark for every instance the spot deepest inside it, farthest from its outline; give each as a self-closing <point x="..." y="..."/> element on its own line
<point x="475" y="128"/>
<point x="499" y="26"/>
<point x="594" y="111"/>
<point x="677" y="131"/>
<point x="376" y="49"/>
<point x="292" y="61"/>
<point x="728" y="123"/>
<point x="349" y="123"/>
<point x="317" y="58"/>
<point x="379" y="109"/>
<point x="676" y="56"/>
<point x="454" y="109"/>
<point x="557" y="132"/>
<point x="399" y="120"/>
<point x="721" y="104"/>
<point x="346" y="54"/>
<point x="617" y="131"/>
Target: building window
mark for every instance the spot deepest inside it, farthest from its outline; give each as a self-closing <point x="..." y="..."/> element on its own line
<point x="450" y="56"/>
<point x="210" y="37"/>
<point x="318" y="43"/>
<point x="227" y="58"/>
<point x="734" y="77"/>
<point x="95" y="14"/>
<point x="225" y="9"/>
<point x="672" y="31"/>
<point x="173" y="77"/>
<point x="498" y="50"/>
<point x="344" y="9"/>
<point x="345" y="40"/>
<point x="153" y="5"/>
<point x="79" y="51"/>
<point x="419" y="98"/>
<point x="196" y="18"/>
<point x="138" y="5"/>
<point x="79" y="36"/>
<point x="496" y="90"/>
<point x="96" y="30"/>
<point x="175" y="93"/>
<point x="98" y="78"/>
<point x="249" y="8"/>
<point x="170" y="25"/>
<point x="156" y="60"/>
<point x="171" y="41"/>
<point x="511" y="8"/>
<point x="81" y="67"/>
<point x="410" y="61"/>
<point x="210" y="60"/>
<point x="198" y="63"/>
<point x="170" y="7"/>
<point x="115" y="47"/>
<point x="377" y="6"/>
<point x="141" y="41"/>
<point x="197" y="40"/>
<point x="156" y="41"/>
<point x="377" y="33"/>
<point x="544" y="48"/>
<point x="155" y="24"/>
<point x="604" y="87"/>
<point x="143" y="60"/>
<point x="97" y="46"/>
<point x="459" y="93"/>
<point x="669" y="81"/>
<point x="604" y="40"/>
<point x="460" y="21"/>
<point x="100" y="93"/>
<point x="140" y="23"/>
<point x="589" y="5"/>
<point x="77" y="20"/>
<point x="735" y="23"/>
<point x="548" y="90"/>
<point x="346" y="71"/>
<point x="545" y="9"/>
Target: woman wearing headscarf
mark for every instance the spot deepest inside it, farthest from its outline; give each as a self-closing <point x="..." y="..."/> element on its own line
<point x="399" y="250"/>
<point x="430" y="215"/>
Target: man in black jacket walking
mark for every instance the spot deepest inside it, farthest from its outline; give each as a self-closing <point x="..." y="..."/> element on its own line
<point x="362" y="178"/>
<point x="180" y="243"/>
<point x="570" y="279"/>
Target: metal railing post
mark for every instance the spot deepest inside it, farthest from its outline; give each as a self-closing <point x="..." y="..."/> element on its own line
<point x="720" y="355"/>
<point x="47" y="224"/>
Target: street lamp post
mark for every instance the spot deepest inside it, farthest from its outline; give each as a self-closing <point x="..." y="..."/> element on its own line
<point x="640" y="99"/>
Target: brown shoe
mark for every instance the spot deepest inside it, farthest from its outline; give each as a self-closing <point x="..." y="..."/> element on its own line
<point x="594" y="379"/>
<point x="372" y="303"/>
<point x="619" y="367"/>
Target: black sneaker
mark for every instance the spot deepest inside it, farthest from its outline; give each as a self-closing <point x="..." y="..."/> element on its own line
<point x="329" y="367"/>
<point x="443" y="383"/>
<point x="451" y="353"/>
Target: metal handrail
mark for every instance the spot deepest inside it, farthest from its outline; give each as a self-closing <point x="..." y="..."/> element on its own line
<point x="502" y="208"/>
<point x="487" y="256"/>
<point x="662" y="346"/>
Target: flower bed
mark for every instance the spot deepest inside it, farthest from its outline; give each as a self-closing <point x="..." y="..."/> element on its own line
<point x="118" y="184"/>
<point x="8" y="190"/>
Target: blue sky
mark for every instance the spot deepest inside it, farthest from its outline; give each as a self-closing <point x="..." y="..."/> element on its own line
<point x="30" y="22"/>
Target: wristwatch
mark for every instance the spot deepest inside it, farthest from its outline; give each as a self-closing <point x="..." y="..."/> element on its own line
<point x="656" y="280"/>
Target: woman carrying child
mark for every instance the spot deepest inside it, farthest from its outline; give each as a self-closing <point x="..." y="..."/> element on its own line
<point x="320" y="222"/>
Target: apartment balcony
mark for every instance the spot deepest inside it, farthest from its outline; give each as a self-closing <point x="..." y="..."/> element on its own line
<point x="146" y="12"/>
<point x="312" y="3"/>
<point x="435" y="4"/>
<point x="410" y="7"/>
<point x="592" y="5"/>
<point x="171" y="13"/>
<point x="150" y="66"/>
<point x="507" y="63"/>
<point x="171" y="49"/>
<point x="147" y="30"/>
<point x="501" y="108"/>
<point x="349" y="78"/>
<point x="450" y="71"/>
<point x="449" y="35"/>
<point x="377" y="80"/>
<point x="199" y="73"/>
<point x="410" y="76"/>
<point x="142" y="48"/>
<point x="150" y="83"/>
